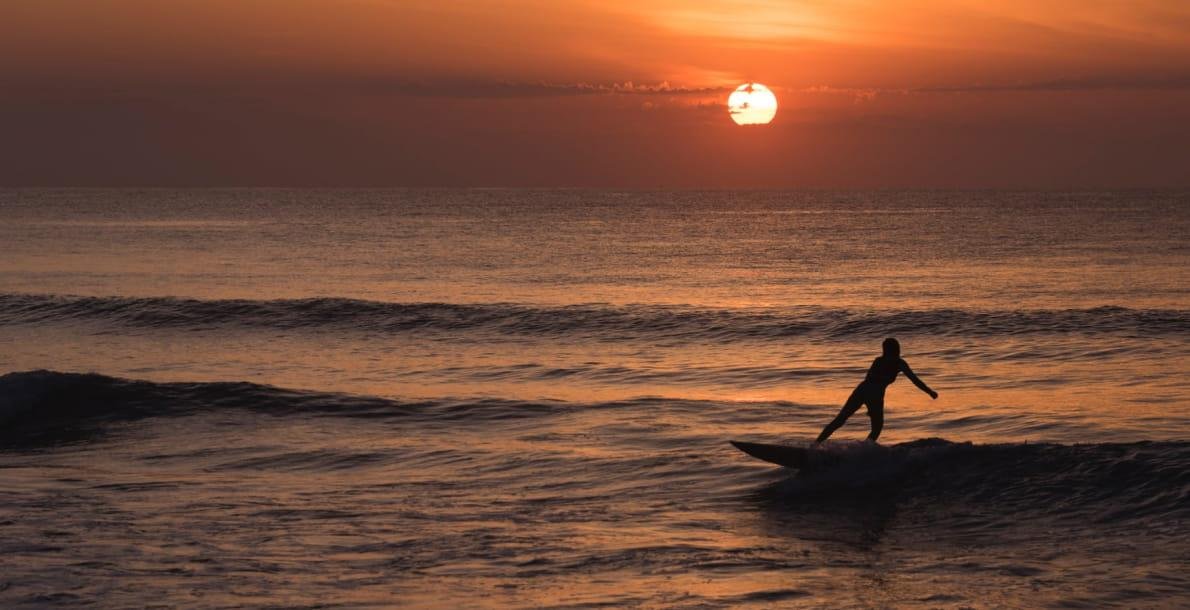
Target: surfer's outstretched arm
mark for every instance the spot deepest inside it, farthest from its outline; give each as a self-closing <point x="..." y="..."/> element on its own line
<point x="921" y="385"/>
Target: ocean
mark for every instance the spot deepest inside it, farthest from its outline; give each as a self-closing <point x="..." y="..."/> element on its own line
<point x="505" y="398"/>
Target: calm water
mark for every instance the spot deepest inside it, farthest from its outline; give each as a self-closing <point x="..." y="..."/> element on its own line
<point x="505" y="398"/>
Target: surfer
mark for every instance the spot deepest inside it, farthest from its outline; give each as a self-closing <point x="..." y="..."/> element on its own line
<point x="870" y="391"/>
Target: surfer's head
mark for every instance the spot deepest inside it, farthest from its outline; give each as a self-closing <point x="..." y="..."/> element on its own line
<point x="892" y="348"/>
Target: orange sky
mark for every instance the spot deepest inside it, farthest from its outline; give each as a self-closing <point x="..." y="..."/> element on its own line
<point x="913" y="93"/>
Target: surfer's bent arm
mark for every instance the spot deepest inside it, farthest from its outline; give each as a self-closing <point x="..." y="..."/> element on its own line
<point x="921" y="385"/>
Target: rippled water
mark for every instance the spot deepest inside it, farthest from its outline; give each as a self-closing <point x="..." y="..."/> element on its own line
<point x="522" y="398"/>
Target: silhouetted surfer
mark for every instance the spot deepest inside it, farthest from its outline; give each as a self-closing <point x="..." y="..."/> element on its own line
<point x="870" y="391"/>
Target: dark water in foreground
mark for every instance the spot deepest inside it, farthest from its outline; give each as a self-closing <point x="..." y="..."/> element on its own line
<point x="522" y="399"/>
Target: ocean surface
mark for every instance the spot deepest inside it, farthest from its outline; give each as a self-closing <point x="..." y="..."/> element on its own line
<point x="521" y="399"/>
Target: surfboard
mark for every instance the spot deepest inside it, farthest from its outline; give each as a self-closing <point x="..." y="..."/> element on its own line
<point x="790" y="457"/>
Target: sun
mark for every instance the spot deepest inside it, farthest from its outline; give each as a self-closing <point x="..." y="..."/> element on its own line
<point x="752" y="104"/>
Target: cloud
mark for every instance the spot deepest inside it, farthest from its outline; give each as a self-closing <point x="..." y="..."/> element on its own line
<point x="860" y="94"/>
<point x="1174" y="83"/>
<point x="508" y="89"/>
<point x="864" y="94"/>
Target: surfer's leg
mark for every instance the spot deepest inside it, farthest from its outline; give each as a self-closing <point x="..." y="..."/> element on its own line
<point x="876" y="412"/>
<point x="849" y="408"/>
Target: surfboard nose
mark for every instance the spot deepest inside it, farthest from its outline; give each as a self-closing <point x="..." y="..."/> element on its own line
<point x="783" y="455"/>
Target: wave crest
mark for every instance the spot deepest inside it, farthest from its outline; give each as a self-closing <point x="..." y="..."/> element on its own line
<point x="594" y="322"/>
<point x="1109" y="482"/>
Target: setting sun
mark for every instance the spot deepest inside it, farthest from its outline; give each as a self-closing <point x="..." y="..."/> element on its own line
<point x="752" y="104"/>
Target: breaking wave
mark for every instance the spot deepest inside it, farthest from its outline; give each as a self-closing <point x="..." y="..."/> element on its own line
<point x="1105" y="482"/>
